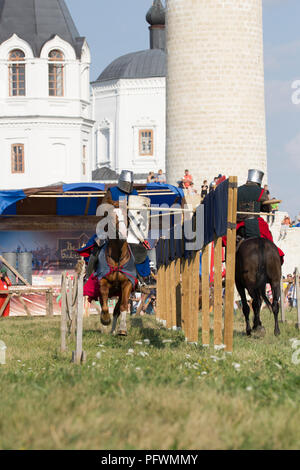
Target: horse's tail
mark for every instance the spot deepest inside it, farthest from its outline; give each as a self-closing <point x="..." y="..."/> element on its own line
<point x="261" y="275"/>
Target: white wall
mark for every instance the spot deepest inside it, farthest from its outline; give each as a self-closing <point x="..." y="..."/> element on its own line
<point x="126" y="106"/>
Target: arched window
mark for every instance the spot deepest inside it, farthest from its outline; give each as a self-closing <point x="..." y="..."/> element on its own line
<point x="56" y="73"/>
<point x="17" y="73"/>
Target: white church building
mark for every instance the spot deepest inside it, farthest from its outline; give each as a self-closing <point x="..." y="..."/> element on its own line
<point x="129" y="105"/>
<point x="57" y="127"/>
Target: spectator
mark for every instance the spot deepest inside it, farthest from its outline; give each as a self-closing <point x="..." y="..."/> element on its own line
<point x="204" y="189"/>
<point x="220" y="179"/>
<point x="266" y="189"/>
<point x="283" y="228"/>
<point x="191" y="189"/>
<point x="212" y="186"/>
<point x="187" y="179"/>
<point x="160" y="178"/>
<point x="151" y="177"/>
<point x="274" y="208"/>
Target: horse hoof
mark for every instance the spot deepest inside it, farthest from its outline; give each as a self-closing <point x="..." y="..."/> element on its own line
<point x="277" y="332"/>
<point x="105" y="319"/>
<point x="259" y="331"/>
<point x="122" y="333"/>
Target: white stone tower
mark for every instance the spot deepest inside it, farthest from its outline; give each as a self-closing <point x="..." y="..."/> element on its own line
<point x="215" y="89"/>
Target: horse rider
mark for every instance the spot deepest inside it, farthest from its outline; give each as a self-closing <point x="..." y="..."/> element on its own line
<point x="250" y="199"/>
<point x="113" y="197"/>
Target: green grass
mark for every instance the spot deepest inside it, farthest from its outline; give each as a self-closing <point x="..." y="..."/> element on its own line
<point x="176" y="397"/>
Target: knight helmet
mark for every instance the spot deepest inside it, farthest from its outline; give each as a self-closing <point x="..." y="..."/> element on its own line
<point x="255" y="176"/>
<point x="126" y="181"/>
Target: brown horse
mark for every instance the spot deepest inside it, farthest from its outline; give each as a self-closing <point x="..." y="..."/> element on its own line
<point x="116" y="284"/>
<point x="257" y="264"/>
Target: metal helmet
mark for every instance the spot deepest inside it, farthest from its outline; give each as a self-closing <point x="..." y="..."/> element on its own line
<point x="255" y="176"/>
<point x="126" y="181"/>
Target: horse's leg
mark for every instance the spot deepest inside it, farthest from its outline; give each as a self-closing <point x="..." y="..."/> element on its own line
<point x="256" y="305"/>
<point x="275" y="306"/>
<point x="104" y="292"/>
<point x="245" y="307"/>
<point x="116" y="316"/>
<point x="126" y="291"/>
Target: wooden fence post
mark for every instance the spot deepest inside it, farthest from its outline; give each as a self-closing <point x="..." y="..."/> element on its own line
<point x="158" y="294"/>
<point x="185" y="296"/>
<point x="172" y="294"/>
<point x="205" y="296"/>
<point x="63" y="327"/>
<point x="297" y="279"/>
<point x="49" y="303"/>
<point x="230" y="264"/>
<point x="178" y="291"/>
<point x="218" y="299"/>
<point x="79" y="355"/>
<point x="194" y="331"/>
<point x="282" y="301"/>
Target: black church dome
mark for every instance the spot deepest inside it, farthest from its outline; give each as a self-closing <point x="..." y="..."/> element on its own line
<point x="38" y="21"/>
<point x="141" y="64"/>
<point x="156" y="14"/>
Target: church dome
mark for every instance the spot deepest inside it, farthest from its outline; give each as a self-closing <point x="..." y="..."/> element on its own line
<point x="142" y="64"/>
<point x="156" y="14"/>
<point x="38" y="21"/>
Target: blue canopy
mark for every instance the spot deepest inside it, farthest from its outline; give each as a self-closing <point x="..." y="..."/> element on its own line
<point x="83" y="187"/>
<point x="9" y="199"/>
<point x="81" y="205"/>
<point x="64" y="206"/>
<point x="176" y="195"/>
<point x="78" y="206"/>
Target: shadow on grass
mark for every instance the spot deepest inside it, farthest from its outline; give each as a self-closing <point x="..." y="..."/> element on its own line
<point x="155" y="335"/>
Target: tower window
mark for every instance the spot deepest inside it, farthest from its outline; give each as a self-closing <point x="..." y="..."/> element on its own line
<point x="146" y="142"/>
<point x="17" y="158"/>
<point x="16" y="73"/>
<point x="56" y="73"/>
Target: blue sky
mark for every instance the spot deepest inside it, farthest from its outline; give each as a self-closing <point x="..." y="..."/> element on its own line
<point x="116" y="27"/>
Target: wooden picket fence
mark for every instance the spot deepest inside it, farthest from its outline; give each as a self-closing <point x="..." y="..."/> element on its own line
<point x="177" y="303"/>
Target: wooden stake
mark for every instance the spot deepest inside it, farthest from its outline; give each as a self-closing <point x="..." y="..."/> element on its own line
<point x="173" y="295"/>
<point x="230" y="264"/>
<point x="194" y="301"/>
<point x="178" y="291"/>
<point x="158" y="295"/>
<point x="63" y="327"/>
<point x="218" y="292"/>
<point x="185" y="285"/>
<point x="297" y="279"/>
<point x="79" y="355"/>
<point x="205" y="296"/>
<point x="49" y="303"/>
<point x="168" y="296"/>
<point x="282" y="298"/>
